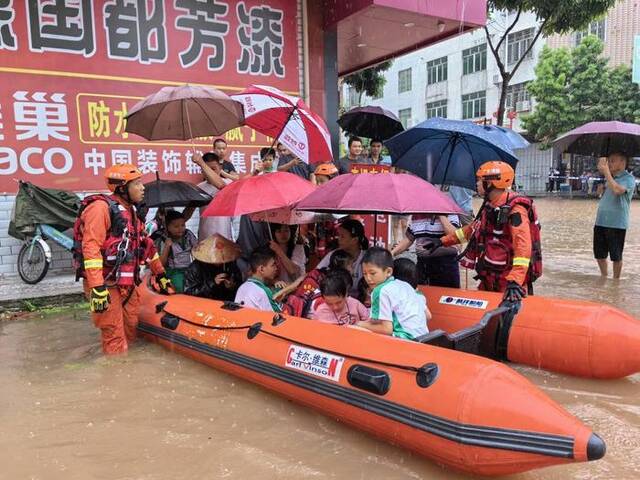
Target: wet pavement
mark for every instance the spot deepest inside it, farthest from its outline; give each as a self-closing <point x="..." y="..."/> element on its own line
<point x="69" y="413"/>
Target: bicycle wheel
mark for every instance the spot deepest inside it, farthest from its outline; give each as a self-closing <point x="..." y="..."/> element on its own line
<point x="32" y="263"/>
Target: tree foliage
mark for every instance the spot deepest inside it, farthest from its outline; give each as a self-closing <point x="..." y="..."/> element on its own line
<point x="370" y="81"/>
<point x="575" y="87"/>
<point x="555" y="16"/>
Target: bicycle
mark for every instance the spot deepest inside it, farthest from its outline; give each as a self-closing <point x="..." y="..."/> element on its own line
<point x="34" y="257"/>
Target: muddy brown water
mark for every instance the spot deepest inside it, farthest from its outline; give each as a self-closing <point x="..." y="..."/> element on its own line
<point x="68" y="413"/>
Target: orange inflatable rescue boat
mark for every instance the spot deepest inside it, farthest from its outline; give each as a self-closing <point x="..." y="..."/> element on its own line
<point x="465" y="412"/>
<point x="575" y="337"/>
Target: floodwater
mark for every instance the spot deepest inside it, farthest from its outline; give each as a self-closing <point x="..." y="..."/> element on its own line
<point x="68" y="413"/>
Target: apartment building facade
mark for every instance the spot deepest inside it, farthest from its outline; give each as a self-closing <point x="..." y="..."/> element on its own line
<point x="459" y="79"/>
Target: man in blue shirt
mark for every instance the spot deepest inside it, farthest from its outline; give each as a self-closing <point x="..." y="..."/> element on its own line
<point x="612" y="219"/>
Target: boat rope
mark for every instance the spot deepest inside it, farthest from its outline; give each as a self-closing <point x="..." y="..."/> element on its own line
<point x="254" y="329"/>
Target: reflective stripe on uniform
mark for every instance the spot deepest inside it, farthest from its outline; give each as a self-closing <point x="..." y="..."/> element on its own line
<point x="93" y="263"/>
<point x="126" y="274"/>
<point x="460" y="235"/>
<point x="521" y="261"/>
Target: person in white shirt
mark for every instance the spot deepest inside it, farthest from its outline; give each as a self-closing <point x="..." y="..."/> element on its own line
<point x="396" y="308"/>
<point x="256" y="291"/>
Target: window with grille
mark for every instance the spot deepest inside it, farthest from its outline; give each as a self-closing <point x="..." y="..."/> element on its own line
<point x="518" y="43"/>
<point x="516" y="94"/>
<point x="437" y="109"/>
<point x="404" y="116"/>
<point x="437" y="70"/>
<point x="596" y="28"/>
<point x="474" y="59"/>
<point x="352" y="96"/>
<point x="404" y="80"/>
<point x="474" y="105"/>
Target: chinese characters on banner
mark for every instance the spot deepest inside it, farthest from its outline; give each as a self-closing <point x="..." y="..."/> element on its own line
<point x="376" y="227"/>
<point x="72" y="69"/>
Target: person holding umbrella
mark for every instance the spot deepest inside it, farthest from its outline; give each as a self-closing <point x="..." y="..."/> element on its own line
<point x="612" y="218"/>
<point x="228" y="171"/>
<point x="211" y="166"/>
<point x="504" y="241"/>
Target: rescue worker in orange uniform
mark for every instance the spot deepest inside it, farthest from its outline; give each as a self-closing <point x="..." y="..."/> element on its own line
<point x="110" y="246"/>
<point x="504" y="240"/>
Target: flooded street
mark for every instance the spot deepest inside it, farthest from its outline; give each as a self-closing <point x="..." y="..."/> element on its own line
<point x="69" y="413"/>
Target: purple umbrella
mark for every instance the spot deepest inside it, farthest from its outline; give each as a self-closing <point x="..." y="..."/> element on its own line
<point x="600" y="139"/>
<point x="370" y="122"/>
<point x="378" y="193"/>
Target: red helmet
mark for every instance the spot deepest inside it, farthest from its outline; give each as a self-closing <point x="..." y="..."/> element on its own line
<point x="121" y="174"/>
<point x="498" y="174"/>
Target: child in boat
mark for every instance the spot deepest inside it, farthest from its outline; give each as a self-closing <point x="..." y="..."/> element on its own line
<point x="364" y="293"/>
<point x="256" y="291"/>
<point x="175" y="248"/>
<point x="405" y="270"/>
<point x="396" y="308"/>
<point x="337" y="307"/>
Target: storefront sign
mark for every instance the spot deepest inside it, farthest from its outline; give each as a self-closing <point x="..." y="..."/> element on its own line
<point x="72" y="70"/>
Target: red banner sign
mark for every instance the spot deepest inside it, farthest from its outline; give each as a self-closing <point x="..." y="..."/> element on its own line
<point x="72" y="69"/>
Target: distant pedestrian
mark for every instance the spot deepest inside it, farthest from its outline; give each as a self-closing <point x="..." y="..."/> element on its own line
<point x="353" y="156"/>
<point x="375" y="152"/>
<point x="287" y="162"/>
<point x="612" y="219"/>
<point x="228" y="170"/>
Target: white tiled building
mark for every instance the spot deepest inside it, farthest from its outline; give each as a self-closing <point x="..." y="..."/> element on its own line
<point x="459" y="79"/>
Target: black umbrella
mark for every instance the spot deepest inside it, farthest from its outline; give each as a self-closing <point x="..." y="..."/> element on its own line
<point x="174" y="193"/>
<point x="370" y="122"/>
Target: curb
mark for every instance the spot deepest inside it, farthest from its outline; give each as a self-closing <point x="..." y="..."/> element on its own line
<point x="35" y="303"/>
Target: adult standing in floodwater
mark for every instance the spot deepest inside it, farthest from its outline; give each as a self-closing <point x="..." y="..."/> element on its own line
<point x="112" y="244"/>
<point x="612" y="219"/>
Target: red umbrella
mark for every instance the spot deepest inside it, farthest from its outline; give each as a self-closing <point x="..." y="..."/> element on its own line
<point x="289" y="120"/>
<point x="379" y="193"/>
<point x="259" y="193"/>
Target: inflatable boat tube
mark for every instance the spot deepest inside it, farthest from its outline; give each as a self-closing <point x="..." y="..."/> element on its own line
<point x="465" y="412"/>
<point x="574" y="337"/>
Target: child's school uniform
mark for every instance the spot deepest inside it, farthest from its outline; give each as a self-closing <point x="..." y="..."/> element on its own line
<point x="255" y="294"/>
<point x="398" y="302"/>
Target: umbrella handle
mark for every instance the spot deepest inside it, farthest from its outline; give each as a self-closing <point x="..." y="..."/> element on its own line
<point x="275" y="139"/>
<point x="193" y="145"/>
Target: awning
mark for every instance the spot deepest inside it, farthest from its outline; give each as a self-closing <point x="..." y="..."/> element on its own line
<point x="371" y="31"/>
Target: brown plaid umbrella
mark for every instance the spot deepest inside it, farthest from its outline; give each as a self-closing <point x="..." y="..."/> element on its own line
<point x="184" y="113"/>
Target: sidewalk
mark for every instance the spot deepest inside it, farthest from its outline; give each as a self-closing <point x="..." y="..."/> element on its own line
<point x="54" y="286"/>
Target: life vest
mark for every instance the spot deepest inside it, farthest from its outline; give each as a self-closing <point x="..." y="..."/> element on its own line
<point x="125" y="249"/>
<point x="490" y="249"/>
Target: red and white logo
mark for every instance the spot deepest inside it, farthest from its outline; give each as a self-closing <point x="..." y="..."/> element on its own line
<point x="314" y="362"/>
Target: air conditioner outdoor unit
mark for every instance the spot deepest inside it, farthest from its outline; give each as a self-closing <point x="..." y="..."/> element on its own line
<point x="523" y="106"/>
